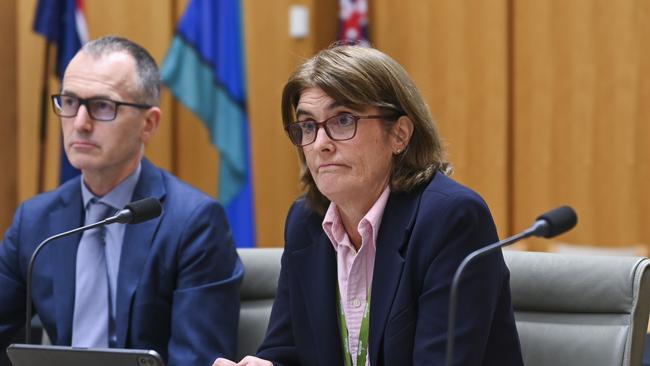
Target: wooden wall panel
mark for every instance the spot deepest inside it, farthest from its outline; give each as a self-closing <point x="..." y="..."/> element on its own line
<point x="642" y="126"/>
<point x="569" y="102"/>
<point x="150" y="24"/>
<point x="8" y="84"/>
<point x="30" y="53"/>
<point x="457" y="54"/>
<point x="271" y="56"/>
<point x="182" y="144"/>
<point x="580" y="132"/>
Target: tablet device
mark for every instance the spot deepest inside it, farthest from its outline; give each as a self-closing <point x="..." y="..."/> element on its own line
<point x="38" y="355"/>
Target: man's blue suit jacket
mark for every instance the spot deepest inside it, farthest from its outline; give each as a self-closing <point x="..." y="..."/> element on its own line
<point x="424" y="235"/>
<point x="179" y="274"/>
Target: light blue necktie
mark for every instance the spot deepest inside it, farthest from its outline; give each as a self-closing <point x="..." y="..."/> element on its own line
<point x="90" y="321"/>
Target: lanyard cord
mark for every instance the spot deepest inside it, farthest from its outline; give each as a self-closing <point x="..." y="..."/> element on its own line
<point x="362" y="351"/>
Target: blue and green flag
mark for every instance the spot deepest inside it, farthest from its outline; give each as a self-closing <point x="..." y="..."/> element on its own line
<point x="205" y="70"/>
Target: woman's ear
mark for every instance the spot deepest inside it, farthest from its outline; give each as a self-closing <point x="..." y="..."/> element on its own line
<point x="401" y="134"/>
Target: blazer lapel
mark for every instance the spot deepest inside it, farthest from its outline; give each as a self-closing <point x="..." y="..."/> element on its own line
<point x="64" y="254"/>
<point x="135" y="249"/>
<point x="316" y="267"/>
<point x="392" y="238"/>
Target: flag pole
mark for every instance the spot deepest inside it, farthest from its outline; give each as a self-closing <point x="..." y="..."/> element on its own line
<point x="42" y="132"/>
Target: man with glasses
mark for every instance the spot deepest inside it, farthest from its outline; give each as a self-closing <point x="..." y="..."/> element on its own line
<point x="169" y="284"/>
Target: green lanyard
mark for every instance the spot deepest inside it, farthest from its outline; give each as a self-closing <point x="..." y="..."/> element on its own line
<point x="363" y="332"/>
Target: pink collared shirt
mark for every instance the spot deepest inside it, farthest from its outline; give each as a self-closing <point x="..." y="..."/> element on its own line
<point x="354" y="268"/>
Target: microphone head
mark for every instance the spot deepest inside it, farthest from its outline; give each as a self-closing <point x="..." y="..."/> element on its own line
<point x="557" y="221"/>
<point x="143" y="210"/>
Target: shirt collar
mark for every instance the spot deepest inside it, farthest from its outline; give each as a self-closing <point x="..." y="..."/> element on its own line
<point x="333" y="226"/>
<point x="119" y="196"/>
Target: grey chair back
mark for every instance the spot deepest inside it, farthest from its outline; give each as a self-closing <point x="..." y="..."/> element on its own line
<point x="580" y="309"/>
<point x="262" y="270"/>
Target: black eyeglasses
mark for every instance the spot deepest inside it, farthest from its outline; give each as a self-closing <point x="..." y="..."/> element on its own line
<point x="340" y="127"/>
<point x="100" y="109"/>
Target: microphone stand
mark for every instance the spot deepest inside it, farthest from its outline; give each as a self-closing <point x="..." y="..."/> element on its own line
<point x="453" y="296"/>
<point x="133" y="213"/>
<point x="30" y="269"/>
<point x="547" y="225"/>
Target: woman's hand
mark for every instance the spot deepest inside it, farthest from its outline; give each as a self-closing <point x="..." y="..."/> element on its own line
<point x="246" y="361"/>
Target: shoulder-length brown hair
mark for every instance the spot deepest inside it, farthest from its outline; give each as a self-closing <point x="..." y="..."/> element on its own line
<point x="359" y="77"/>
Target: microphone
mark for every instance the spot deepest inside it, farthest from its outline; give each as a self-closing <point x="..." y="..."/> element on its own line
<point x="137" y="212"/>
<point x="554" y="222"/>
<point x="550" y="224"/>
<point x="133" y="213"/>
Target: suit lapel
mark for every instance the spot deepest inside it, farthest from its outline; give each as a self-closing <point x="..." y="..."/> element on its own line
<point x="64" y="254"/>
<point x="392" y="238"/>
<point x="316" y="269"/>
<point x="135" y="249"/>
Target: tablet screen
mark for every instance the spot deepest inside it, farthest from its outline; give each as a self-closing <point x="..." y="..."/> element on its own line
<point x="38" y="355"/>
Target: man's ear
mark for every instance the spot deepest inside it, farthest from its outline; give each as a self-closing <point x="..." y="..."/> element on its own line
<point x="401" y="134"/>
<point x="151" y="122"/>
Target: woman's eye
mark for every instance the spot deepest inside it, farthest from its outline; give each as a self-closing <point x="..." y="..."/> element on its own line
<point x="345" y="120"/>
<point x="308" y="127"/>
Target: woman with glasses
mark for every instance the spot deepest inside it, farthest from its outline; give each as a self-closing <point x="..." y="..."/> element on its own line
<point x="373" y="245"/>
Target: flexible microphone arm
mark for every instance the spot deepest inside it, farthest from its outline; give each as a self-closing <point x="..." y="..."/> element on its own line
<point x="133" y="213"/>
<point x="548" y="225"/>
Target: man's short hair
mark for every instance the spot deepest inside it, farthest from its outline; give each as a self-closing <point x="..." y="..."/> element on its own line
<point x="147" y="69"/>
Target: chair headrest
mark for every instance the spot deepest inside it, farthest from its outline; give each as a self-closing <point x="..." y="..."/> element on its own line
<point x="574" y="283"/>
<point x="262" y="270"/>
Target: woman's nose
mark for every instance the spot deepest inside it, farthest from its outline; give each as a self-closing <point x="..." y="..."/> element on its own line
<point x="322" y="139"/>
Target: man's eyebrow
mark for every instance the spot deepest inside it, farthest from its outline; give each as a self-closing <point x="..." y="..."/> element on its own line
<point x="68" y="93"/>
<point x="73" y="94"/>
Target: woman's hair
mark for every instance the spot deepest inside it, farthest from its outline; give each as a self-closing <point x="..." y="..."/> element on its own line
<point x="358" y="77"/>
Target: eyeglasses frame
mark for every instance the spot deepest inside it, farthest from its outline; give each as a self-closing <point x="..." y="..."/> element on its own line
<point x="323" y="124"/>
<point x="85" y="101"/>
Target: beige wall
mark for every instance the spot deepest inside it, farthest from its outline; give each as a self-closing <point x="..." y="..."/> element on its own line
<point x="540" y="102"/>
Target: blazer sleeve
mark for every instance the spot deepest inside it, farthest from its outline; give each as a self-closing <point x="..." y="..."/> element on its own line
<point x="279" y="345"/>
<point x="12" y="295"/>
<point x="205" y="303"/>
<point x="463" y="225"/>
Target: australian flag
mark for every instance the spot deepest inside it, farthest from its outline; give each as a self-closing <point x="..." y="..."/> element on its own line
<point x="353" y="22"/>
<point x="62" y="22"/>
